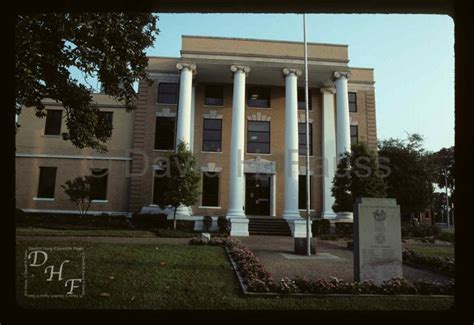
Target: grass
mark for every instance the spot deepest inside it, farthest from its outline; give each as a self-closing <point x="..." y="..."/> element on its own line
<point x="104" y="232"/>
<point x="139" y="276"/>
<point x="431" y="250"/>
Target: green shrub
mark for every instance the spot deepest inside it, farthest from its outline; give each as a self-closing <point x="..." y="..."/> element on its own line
<point x="410" y="230"/>
<point x="150" y="220"/>
<point x="446" y="236"/>
<point x="344" y="228"/>
<point x="320" y="226"/>
<point x="206" y="223"/>
<point x="183" y="225"/>
<point x="222" y="224"/>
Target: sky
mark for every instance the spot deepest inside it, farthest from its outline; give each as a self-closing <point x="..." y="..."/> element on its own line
<point x="412" y="57"/>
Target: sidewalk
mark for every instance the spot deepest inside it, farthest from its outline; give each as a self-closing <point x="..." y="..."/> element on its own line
<point x="108" y="240"/>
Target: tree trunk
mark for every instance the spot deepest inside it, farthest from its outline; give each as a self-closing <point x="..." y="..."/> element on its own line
<point x="174" y="218"/>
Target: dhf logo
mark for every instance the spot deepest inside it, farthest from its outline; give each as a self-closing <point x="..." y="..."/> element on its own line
<point x="54" y="272"/>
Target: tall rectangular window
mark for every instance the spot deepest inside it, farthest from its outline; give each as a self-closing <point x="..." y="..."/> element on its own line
<point x="352" y="102"/>
<point x="214" y="95"/>
<point x="258" y="97"/>
<point x="258" y="137"/>
<point x="164" y="133"/>
<point x="354" y="134"/>
<point x="212" y="135"/>
<point x="106" y="117"/>
<point x="301" y="99"/>
<point x="99" y="184"/>
<point x="302" y="139"/>
<point x="210" y="189"/>
<point x="53" y="122"/>
<point x="167" y="93"/>
<point x="158" y="183"/>
<point x="302" y="192"/>
<point x="47" y="182"/>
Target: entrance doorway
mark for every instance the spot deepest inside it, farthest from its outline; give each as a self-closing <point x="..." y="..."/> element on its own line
<point x="257" y="194"/>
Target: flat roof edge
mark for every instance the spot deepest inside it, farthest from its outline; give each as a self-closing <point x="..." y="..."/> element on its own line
<point x="261" y="40"/>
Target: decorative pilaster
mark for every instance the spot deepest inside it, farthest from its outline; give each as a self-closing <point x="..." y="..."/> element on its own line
<point x="328" y="150"/>
<point x="236" y="212"/>
<point x="183" y="130"/>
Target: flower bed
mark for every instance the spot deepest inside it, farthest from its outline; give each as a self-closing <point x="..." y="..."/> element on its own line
<point x="257" y="280"/>
<point x="443" y="265"/>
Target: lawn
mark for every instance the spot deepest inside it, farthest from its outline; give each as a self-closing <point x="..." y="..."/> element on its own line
<point x="139" y="276"/>
<point x="431" y="250"/>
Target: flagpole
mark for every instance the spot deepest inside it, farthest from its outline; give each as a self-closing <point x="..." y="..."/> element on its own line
<point x="306" y="94"/>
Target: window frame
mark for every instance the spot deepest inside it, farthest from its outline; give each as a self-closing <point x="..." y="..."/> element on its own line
<point x="352" y="102"/>
<point x="269" y="89"/>
<point x="220" y="104"/>
<point x="204" y="133"/>
<point x="356" y="128"/>
<point x="175" y="93"/>
<point x="40" y="191"/>
<point x="310" y="138"/>
<point x="49" y="121"/>
<point x="173" y="147"/>
<point x="269" y="137"/>
<point x="216" y="196"/>
<point x="310" y="106"/>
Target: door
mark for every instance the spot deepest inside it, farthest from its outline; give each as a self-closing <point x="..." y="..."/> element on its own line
<point x="257" y="194"/>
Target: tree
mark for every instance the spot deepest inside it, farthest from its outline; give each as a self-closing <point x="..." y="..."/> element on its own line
<point x="443" y="163"/>
<point x="179" y="180"/>
<point x="411" y="173"/>
<point x="106" y="46"/>
<point x="357" y="176"/>
<point x="79" y="192"/>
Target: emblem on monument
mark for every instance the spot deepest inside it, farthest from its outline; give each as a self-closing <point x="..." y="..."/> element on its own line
<point x="380" y="216"/>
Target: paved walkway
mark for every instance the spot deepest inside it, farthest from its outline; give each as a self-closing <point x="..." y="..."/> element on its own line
<point x="332" y="259"/>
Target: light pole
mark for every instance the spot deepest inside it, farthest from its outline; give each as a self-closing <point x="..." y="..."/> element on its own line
<point x="306" y="95"/>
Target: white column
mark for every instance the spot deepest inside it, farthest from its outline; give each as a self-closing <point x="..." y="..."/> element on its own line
<point x="342" y="113"/>
<point x="328" y="151"/>
<point x="343" y="125"/>
<point x="185" y="117"/>
<point x="183" y="130"/>
<point x="290" y="210"/>
<point x="236" y="213"/>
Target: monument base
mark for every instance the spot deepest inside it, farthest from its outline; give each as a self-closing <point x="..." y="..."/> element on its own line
<point x="301" y="246"/>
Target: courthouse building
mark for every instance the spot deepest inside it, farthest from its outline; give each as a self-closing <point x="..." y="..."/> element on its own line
<point x="239" y="105"/>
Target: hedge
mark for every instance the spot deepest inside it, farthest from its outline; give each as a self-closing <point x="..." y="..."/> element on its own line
<point x="320" y="226"/>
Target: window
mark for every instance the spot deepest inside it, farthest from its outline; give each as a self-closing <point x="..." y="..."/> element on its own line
<point x="106" y="117"/>
<point x="99" y="184"/>
<point x="167" y="93"/>
<point x="214" y="95"/>
<point x="258" y="97"/>
<point x="302" y="192"/>
<point x="302" y="139"/>
<point x="353" y="102"/>
<point x="301" y="99"/>
<point x="53" y="122"/>
<point x="212" y="134"/>
<point x="258" y="137"/>
<point x="164" y="133"/>
<point x="210" y="189"/>
<point x="47" y="182"/>
<point x="354" y="134"/>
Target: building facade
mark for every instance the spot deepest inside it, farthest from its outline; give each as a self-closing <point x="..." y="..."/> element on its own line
<point x="239" y="105"/>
